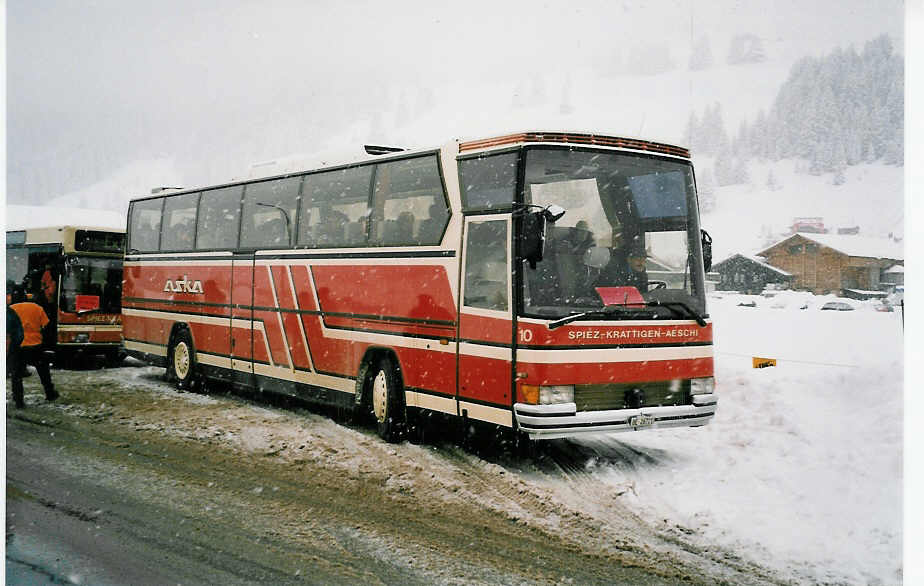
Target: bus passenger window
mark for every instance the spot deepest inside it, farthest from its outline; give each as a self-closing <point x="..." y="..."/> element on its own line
<point x="269" y="213"/>
<point x="334" y="208"/>
<point x="407" y="191"/>
<point x="486" y="271"/>
<point x="179" y="222"/>
<point x="145" y="224"/>
<point x="219" y="218"/>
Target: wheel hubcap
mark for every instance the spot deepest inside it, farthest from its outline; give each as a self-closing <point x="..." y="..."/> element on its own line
<point x="379" y="396"/>
<point x="181" y="360"/>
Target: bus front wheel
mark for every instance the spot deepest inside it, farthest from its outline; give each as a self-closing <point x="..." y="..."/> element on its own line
<point x="181" y="362"/>
<point x="387" y="400"/>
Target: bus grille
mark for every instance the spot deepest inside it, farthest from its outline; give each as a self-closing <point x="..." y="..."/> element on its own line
<point x="608" y="396"/>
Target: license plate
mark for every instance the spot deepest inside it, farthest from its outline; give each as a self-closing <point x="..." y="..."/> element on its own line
<point x="641" y="421"/>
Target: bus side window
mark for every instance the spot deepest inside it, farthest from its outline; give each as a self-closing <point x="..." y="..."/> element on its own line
<point x="488" y="182"/>
<point x="179" y="222"/>
<point x="145" y="225"/>
<point x="408" y="192"/>
<point x="486" y="272"/>
<point x="269" y="213"/>
<point x="431" y="228"/>
<point x="219" y="218"/>
<point x="334" y="208"/>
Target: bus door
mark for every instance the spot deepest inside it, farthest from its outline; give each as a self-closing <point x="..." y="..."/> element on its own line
<point x="242" y="338"/>
<point x="485" y="349"/>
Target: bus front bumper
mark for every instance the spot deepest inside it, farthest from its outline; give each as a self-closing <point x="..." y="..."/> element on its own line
<point x="563" y="420"/>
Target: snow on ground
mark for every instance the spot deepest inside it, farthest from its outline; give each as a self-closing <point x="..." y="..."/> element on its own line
<point x="801" y="470"/>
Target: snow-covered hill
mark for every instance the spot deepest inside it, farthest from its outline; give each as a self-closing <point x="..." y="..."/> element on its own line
<point x="25" y="217"/>
<point x="593" y="96"/>
<point x="746" y="216"/>
<point x="113" y="193"/>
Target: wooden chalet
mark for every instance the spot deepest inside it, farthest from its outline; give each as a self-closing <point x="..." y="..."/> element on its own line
<point x="835" y="263"/>
<point x="748" y="274"/>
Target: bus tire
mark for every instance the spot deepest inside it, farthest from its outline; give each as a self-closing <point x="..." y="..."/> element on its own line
<point x="386" y="398"/>
<point x="115" y="358"/>
<point x="181" y="361"/>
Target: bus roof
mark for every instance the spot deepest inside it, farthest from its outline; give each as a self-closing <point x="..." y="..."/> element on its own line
<point x="297" y="164"/>
<point x="575" y="138"/>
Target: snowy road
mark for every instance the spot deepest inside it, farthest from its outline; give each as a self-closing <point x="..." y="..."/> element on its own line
<point x="798" y="480"/>
<point x="125" y="480"/>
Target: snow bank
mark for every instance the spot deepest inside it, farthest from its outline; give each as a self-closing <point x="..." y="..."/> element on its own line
<point x="802" y="468"/>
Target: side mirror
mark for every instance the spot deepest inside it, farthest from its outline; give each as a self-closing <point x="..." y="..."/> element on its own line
<point x="532" y="234"/>
<point x="532" y="237"/>
<point x="553" y="213"/>
<point x="707" y="250"/>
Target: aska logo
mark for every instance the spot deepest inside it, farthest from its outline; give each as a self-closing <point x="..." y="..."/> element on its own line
<point x="183" y="285"/>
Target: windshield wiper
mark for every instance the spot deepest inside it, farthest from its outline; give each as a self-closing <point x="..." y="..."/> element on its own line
<point x="605" y="312"/>
<point x="674" y="305"/>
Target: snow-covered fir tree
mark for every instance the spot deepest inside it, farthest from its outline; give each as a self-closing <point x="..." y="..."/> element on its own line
<point x="701" y="55"/>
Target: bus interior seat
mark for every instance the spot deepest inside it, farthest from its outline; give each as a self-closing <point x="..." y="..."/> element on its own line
<point x="389" y="231"/>
<point x="429" y="231"/>
<point x="274" y="231"/>
<point x="400" y="230"/>
<point x="355" y="232"/>
<point x="331" y="233"/>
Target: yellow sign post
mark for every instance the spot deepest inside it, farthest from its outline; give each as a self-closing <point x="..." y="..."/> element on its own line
<point x="758" y="362"/>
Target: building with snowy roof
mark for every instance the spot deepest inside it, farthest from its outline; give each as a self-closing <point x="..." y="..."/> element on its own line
<point x="835" y="263"/>
<point x="749" y="274"/>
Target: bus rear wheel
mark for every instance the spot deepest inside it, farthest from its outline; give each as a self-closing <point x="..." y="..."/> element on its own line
<point x="181" y="362"/>
<point x="387" y="400"/>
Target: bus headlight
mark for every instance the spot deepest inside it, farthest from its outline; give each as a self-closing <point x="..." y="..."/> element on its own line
<point x="82" y="338"/>
<point x="552" y="394"/>
<point x="702" y="386"/>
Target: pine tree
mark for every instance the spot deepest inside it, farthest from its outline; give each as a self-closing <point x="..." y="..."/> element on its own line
<point x="692" y="133"/>
<point x="746" y="48"/>
<point x="724" y="169"/>
<point x="705" y="187"/>
<point x="701" y="56"/>
<point x="773" y="183"/>
<point x="740" y="172"/>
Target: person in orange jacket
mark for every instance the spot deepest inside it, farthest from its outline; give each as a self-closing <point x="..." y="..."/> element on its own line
<point x="49" y="287"/>
<point x="33" y="319"/>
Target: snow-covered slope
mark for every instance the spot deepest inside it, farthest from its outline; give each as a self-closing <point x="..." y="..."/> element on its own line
<point x="746" y="215"/>
<point x="595" y="97"/>
<point x="25" y="217"/>
<point x="113" y="193"/>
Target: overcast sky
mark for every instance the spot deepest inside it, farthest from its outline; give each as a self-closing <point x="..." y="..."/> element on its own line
<point x="95" y="85"/>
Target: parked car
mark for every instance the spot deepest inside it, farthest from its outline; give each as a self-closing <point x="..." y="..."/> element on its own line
<point x="837" y="306"/>
<point x="897" y="296"/>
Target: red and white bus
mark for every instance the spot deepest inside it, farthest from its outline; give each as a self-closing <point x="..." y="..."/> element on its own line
<point x="552" y="283"/>
<point x="75" y="274"/>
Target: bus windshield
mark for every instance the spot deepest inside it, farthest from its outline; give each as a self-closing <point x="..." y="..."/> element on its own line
<point x="91" y="284"/>
<point x="630" y="231"/>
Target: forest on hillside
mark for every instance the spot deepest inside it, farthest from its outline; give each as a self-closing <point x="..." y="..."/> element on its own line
<point x="834" y="111"/>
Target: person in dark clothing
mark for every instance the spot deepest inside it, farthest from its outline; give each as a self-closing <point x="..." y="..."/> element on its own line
<point x="31" y="351"/>
<point x="13" y="341"/>
<point x="626" y="268"/>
